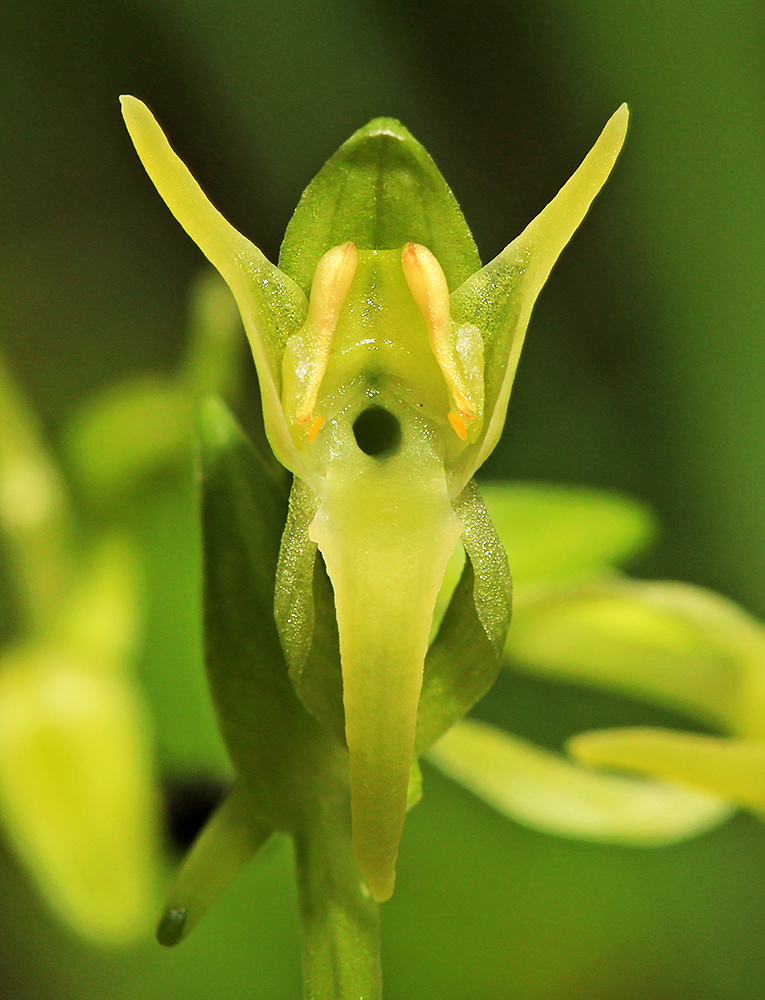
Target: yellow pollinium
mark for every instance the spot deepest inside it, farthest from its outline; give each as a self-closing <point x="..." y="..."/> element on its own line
<point x="311" y="350"/>
<point x="329" y="291"/>
<point x="427" y="283"/>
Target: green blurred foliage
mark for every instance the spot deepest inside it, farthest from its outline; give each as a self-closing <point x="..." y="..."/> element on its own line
<point x="642" y="371"/>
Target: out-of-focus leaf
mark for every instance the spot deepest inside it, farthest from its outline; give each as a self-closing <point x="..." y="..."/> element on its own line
<point x="76" y="791"/>
<point x="550" y="532"/>
<point x="543" y="790"/>
<point x="733" y="769"/>
<point x="669" y="642"/>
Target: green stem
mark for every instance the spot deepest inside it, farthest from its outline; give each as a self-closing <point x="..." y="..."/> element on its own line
<point x="341" y="932"/>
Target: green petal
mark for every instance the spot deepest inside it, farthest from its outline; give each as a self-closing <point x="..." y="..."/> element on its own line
<point x="319" y="683"/>
<point x="732" y="769"/>
<point x="461" y="665"/>
<point x="243" y="513"/>
<point x="232" y="836"/>
<point x="464" y="658"/>
<point x="493" y="592"/>
<point x="551" y="532"/>
<point x="542" y="790"/>
<point x="380" y="190"/>
<point x="271" y="304"/>
<point x="500" y="297"/>
<point x="293" y="597"/>
<point x="669" y="642"/>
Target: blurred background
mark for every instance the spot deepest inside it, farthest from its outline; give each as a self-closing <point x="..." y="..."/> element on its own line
<point x="643" y="372"/>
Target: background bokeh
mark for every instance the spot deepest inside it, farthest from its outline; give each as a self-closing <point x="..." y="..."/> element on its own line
<point x="643" y="371"/>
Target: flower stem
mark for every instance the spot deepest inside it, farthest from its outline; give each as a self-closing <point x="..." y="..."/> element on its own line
<point x="341" y="933"/>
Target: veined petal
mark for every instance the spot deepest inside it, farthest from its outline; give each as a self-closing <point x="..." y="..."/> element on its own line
<point x="272" y="306"/>
<point x="380" y="190"/>
<point x="543" y="790"/>
<point x="499" y="298"/>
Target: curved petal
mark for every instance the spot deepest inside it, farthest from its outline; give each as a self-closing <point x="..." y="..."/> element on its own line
<point x="271" y="304"/>
<point x="499" y="298"/>
<point x="674" y="644"/>
<point x="380" y="190"/>
<point x="543" y="790"/>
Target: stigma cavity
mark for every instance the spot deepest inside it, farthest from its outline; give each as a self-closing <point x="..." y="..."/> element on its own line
<point x="329" y="290"/>
<point x="427" y="283"/>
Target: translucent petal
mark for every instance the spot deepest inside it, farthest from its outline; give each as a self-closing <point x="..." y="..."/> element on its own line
<point x="386" y="536"/>
<point x="380" y="190"/>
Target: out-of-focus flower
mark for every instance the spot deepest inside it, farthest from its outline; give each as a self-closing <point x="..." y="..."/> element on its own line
<point x="76" y="782"/>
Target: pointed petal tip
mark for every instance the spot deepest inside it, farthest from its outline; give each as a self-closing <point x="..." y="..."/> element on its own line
<point x="622" y="112"/>
<point x="616" y="127"/>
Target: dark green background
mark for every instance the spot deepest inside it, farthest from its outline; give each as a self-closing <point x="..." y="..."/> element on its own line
<point x="644" y="371"/>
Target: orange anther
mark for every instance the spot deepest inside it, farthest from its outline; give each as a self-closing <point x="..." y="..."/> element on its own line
<point x="314" y="429"/>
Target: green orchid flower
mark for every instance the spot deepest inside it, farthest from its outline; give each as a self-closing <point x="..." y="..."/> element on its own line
<point x="77" y="783"/>
<point x="386" y="356"/>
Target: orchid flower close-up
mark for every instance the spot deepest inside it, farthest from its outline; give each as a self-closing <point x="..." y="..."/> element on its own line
<point x="385" y="355"/>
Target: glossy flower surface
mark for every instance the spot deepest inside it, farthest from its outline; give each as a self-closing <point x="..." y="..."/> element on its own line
<point x="385" y="355"/>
